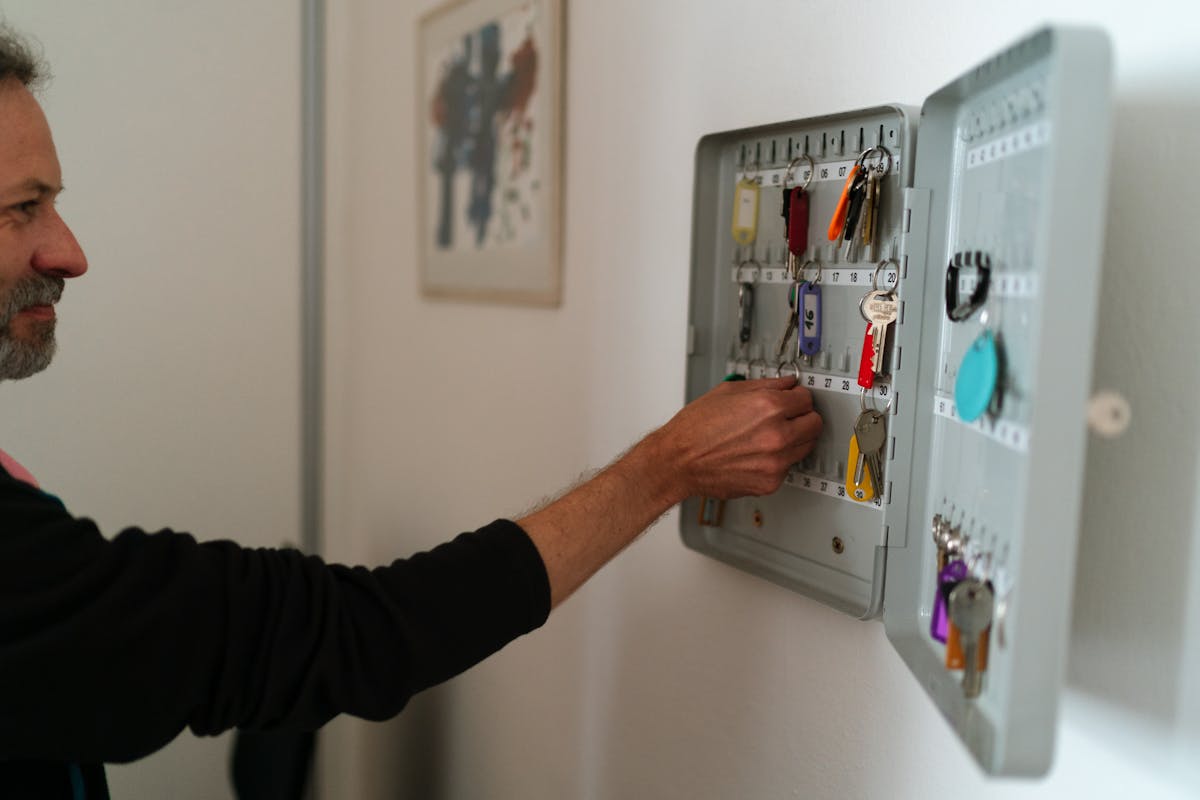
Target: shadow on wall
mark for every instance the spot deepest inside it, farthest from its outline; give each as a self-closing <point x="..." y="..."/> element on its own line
<point x="1137" y="539"/>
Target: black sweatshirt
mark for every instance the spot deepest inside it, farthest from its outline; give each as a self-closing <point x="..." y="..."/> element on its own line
<point x="109" y="648"/>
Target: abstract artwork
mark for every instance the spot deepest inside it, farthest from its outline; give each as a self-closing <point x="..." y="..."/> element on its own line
<point x="490" y="150"/>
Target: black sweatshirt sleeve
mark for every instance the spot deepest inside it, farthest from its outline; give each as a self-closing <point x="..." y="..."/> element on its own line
<point x="108" y="649"/>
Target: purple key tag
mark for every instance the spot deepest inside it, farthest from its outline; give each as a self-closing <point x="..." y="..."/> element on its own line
<point x="951" y="575"/>
<point x="808" y="307"/>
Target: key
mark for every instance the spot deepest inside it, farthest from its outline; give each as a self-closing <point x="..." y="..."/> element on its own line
<point x="876" y="190"/>
<point x="881" y="310"/>
<point x="858" y="193"/>
<point x="745" y="312"/>
<point x="838" y="223"/>
<point x="941" y="537"/>
<point x="869" y="208"/>
<point x="792" y="323"/>
<point x="745" y="211"/>
<point x="970" y="609"/>
<point x="871" y="431"/>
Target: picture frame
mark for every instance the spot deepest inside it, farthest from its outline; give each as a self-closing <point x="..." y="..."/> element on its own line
<point x="489" y="120"/>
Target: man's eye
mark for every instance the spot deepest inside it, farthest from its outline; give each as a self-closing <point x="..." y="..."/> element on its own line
<point x="28" y="207"/>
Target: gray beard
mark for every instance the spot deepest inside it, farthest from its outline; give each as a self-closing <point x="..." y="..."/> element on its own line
<point x="20" y="358"/>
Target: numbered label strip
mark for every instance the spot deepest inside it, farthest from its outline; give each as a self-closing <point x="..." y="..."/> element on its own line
<point x="827" y="487"/>
<point x="881" y="392"/>
<point x="1020" y="285"/>
<point x="827" y="171"/>
<point x="1010" y="434"/>
<point x="830" y="276"/>
<point x="1019" y="141"/>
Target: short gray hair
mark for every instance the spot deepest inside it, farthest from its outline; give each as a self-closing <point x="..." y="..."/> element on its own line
<point x="18" y="61"/>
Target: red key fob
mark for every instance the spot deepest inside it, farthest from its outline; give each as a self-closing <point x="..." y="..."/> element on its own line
<point x="866" y="367"/>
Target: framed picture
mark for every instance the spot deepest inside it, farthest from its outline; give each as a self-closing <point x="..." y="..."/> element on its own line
<point x="490" y="150"/>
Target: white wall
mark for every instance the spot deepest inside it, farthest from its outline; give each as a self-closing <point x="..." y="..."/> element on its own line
<point x="174" y="398"/>
<point x="672" y="676"/>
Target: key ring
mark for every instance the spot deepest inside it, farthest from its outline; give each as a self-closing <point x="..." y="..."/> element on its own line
<point x="812" y="170"/>
<point x="757" y="266"/>
<point x="817" y="264"/>
<point x="750" y="173"/>
<point x="862" y="402"/>
<point x="792" y="365"/>
<point x="879" y="270"/>
<point x="862" y="158"/>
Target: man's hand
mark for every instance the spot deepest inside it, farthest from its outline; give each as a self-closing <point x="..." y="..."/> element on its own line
<point x="738" y="439"/>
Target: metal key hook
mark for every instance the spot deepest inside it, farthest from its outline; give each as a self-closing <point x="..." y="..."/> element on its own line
<point x="883" y="153"/>
<point x="804" y="268"/>
<point x="751" y="262"/>
<point x="862" y="402"/>
<point x="789" y="175"/>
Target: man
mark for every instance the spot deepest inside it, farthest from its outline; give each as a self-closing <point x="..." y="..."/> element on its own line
<point x="110" y="647"/>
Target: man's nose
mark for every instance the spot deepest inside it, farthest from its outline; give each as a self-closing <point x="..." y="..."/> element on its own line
<point x="59" y="253"/>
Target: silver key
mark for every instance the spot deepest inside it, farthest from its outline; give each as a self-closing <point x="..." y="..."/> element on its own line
<point x="881" y="309"/>
<point x="971" y="612"/>
<point x="938" y="528"/>
<point x="793" y="320"/>
<point x="871" y="431"/>
<point x="745" y="312"/>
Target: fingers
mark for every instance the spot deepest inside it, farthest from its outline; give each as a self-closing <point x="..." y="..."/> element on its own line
<point x="797" y="402"/>
<point x="793" y="399"/>
<point x="803" y="431"/>
<point x="759" y="384"/>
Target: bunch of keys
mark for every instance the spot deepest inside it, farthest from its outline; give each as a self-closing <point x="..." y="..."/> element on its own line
<point x="880" y="309"/>
<point x="963" y="608"/>
<point x="864" y="463"/>
<point x="857" y="210"/>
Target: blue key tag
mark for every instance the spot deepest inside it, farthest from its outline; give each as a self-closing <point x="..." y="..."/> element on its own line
<point x="809" y="309"/>
<point x="978" y="377"/>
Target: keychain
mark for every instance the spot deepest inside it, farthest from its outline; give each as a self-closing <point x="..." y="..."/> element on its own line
<point x="978" y="388"/>
<point x="745" y="208"/>
<point x="838" y="224"/>
<point x="809" y="308"/>
<point x="795" y="213"/>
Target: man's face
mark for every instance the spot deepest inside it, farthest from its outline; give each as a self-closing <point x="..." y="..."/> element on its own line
<point x="38" y="252"/>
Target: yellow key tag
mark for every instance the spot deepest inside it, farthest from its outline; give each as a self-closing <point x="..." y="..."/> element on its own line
<point x="861" y="490"/>
<point x="745" y="212"/>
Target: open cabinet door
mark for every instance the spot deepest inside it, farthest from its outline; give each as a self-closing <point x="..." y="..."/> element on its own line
<point x="1012" y="164"/>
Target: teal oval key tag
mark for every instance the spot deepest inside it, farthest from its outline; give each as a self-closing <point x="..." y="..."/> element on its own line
<point x="977" y="378"/>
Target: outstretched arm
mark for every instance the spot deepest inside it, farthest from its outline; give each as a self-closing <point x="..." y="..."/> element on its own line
<point x="738" y="439"/>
